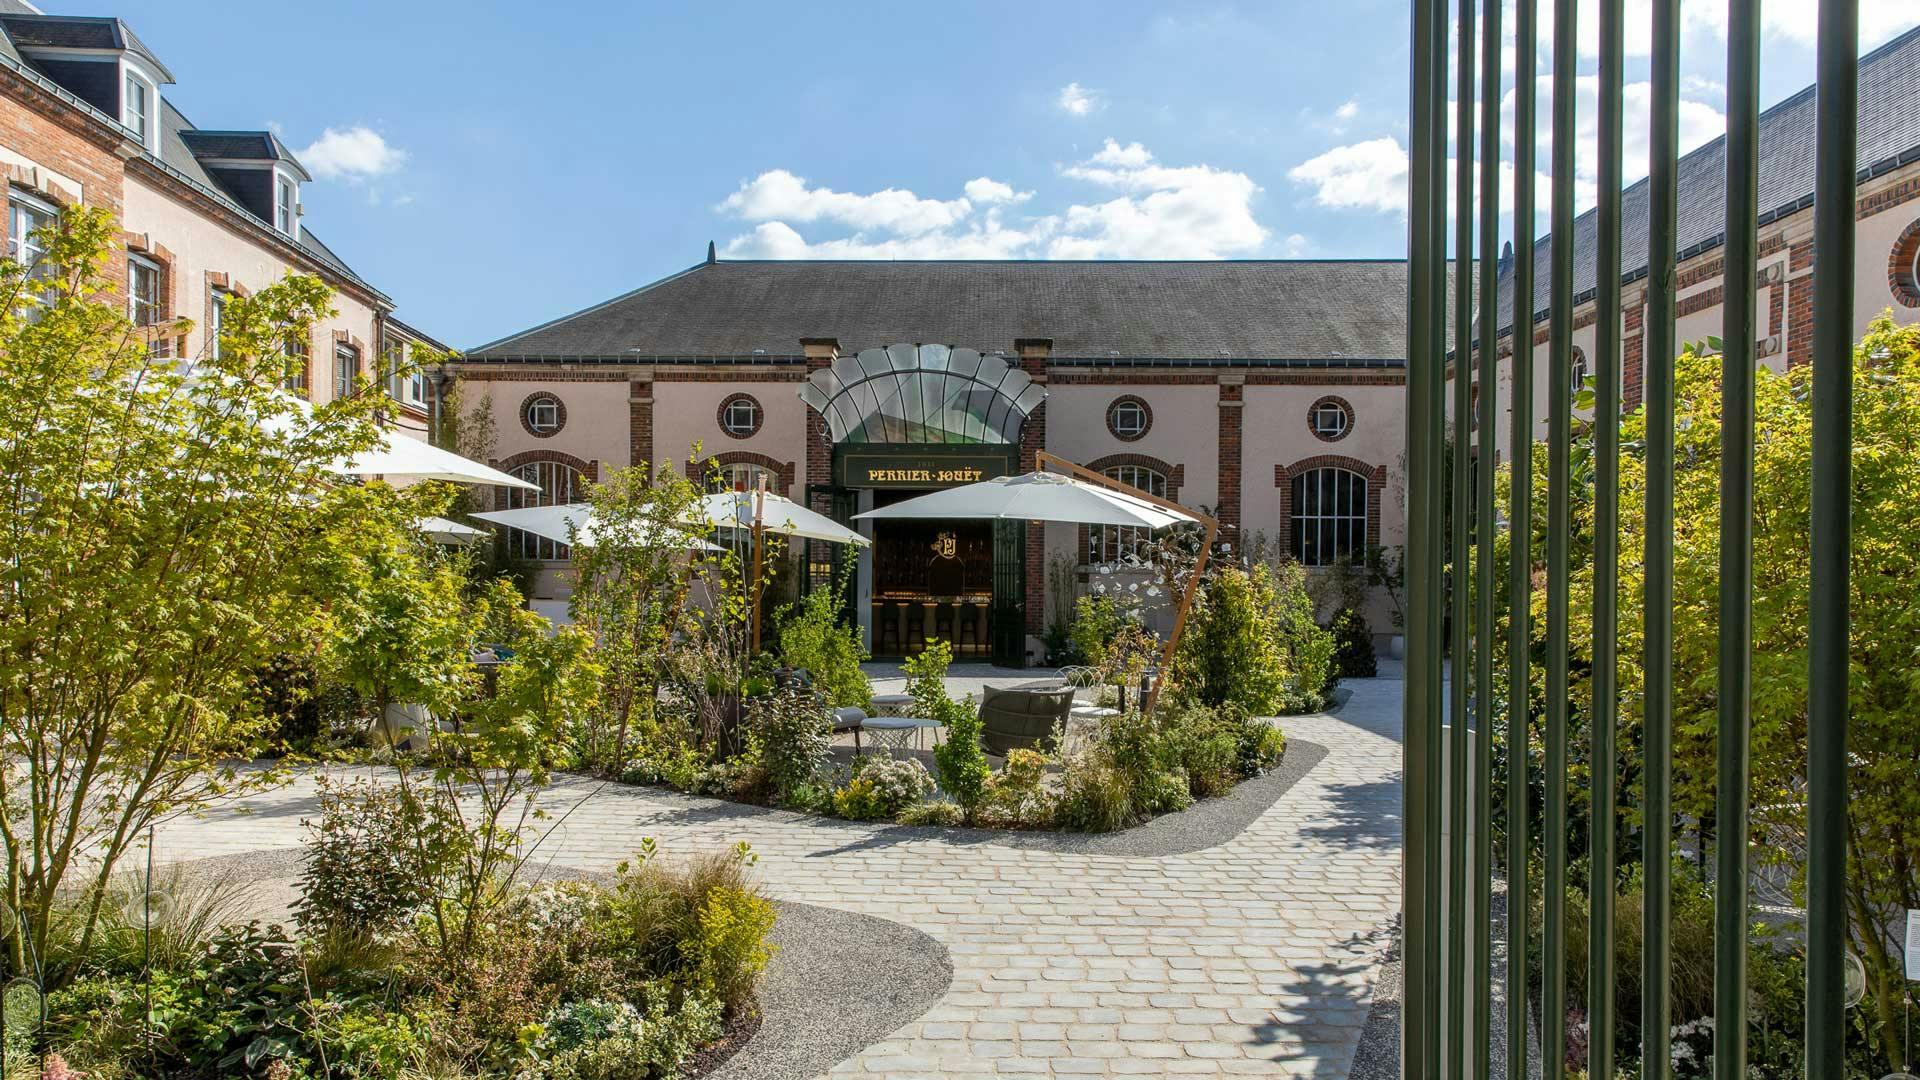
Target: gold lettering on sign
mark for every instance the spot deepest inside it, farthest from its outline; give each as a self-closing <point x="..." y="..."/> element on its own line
<point x="963" y="474"/>
<point x="946" y="545"/>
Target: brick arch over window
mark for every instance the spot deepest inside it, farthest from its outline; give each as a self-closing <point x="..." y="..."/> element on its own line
<point x="588" y="469"/>
<point x="1283" y="480"/>
<point x="1176" y="474"/>
<point x="1903" y="266"/>
<point x="785" y="470"/>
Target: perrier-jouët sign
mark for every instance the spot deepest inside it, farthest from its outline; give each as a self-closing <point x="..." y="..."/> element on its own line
<point x="894" y="470"/>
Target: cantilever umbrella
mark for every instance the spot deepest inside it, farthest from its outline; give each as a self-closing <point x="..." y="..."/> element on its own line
<point x="761" y="511"/>
<point x="400" y="456"/>
<point x="570" y="523"/>
<point x="1073" y="495"/>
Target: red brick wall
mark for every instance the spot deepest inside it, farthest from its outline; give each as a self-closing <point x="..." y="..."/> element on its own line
<point x="640" y="423"/>
<point x="1231" y="410"/>
<point x="60" y="139"/>
<point x="1033" y="439"/>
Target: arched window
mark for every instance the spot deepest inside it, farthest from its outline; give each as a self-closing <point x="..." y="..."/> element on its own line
<point x="559" y="483"/>
<point x="1579" y="369"/>
<point x="1329" y="516"/>
<point x="1111" y="543"/>
<point x="744" y="476"/>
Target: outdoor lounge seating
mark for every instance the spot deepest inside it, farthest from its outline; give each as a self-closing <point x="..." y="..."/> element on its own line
<point x="849" y="718"/>
<point x="1022" y="719"/>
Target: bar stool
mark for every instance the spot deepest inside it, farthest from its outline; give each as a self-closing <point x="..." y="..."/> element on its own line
<point x="887" y="630"/>
<point x="916" y="636"/>
<point x="943" y="623"/>
<point x="969" y="639"/>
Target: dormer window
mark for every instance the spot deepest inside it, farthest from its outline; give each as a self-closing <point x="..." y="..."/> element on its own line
<point x="138" y="108"/>
<point x="285" y="203"/>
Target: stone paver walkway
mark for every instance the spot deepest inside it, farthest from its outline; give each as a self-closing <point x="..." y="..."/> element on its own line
<point x="1253" y="958"/>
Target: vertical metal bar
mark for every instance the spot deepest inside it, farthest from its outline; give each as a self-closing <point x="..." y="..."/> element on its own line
<point x="1421" y="862"/>
<point x="1603" y="715"/>
<point x="1553" y="944"/>
<point x="1738" y="335"/>
<point x="1486" y="443"/>
<point x="1434" y="476"/>
<point x="1657" y="597"/>
<point x="1460" y="632"/>
<point x="1520" y="535"/>
<point x="1830" y="538"/>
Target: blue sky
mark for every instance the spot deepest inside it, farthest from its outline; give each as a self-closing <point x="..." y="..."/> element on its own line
<point x="492" y="166"/>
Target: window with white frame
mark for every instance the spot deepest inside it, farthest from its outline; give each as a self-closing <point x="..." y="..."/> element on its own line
<point x="217" y="322"/>
<point x="543" y="415"/>
<point x="559" y="484"/>
<point x="299" y="358"/>
<point x="741" y="416"/>
<point x="1329" y="420"/>
<point x="1329" y="516"/>
<point x="285" y="203"/>
<point x="143" y="291"/>
<point x="405" y="382"/>
<point x="136" y="108"/>
<point x="1115" y="543"/>
<point x="346" y="370"/>
<point x="28" y="222"/>
<point x="1579" y="369"/>
<point x="1127" y="418"/>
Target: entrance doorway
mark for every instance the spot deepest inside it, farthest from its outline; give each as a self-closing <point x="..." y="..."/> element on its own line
<point x="932" y="580"/>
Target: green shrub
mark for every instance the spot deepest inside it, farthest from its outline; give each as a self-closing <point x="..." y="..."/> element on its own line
<point x="729" y="949"/>
<point x="1017" y="794"/>
<point x="364" y="1044"/>
<point x="1353" y="655"/>
<point x="789" y="732"/>
<point x="933" y="812"/>
<point x="1096" y="619"/>
<point x="897" y="783"/>
<point x="702" y="921"/>
<point x="1232" y="649"/>
<point x="813" y="638"/>
<point x="859" y="801"/>
<point x="635" y="1046"/>
<point x="1307" y="645"/>
<point x="961" y="761"/>
<point x="371" y="860"/>
<point x="1095" y="796"/>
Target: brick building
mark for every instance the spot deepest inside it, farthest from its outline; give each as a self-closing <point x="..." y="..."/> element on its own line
<point x="1269" y="393"/>
<point x="1886" y="270"/>
<point x="205" y="214"/>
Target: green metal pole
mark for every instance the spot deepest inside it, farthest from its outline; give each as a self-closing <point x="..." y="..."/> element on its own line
<point x="1459" y="667"/>
<point x="1486" y="444"/>
<point x="1553" y="945"/>
<point x="1419" y="865"/>
<point x="1830" y="539"/>
<point x="1520" y="535"/>
<point x="1434" y="475"/>
<point x="1657" y="596"/>
<point x="1604" y="712"/>
<point x="1738" y="335"/>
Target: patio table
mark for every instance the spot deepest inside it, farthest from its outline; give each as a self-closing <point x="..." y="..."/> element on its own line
<point x="893" y="704"/>
<point x="892" y="732"/>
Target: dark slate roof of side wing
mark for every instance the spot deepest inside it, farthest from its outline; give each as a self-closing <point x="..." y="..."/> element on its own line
<point x="78" y="32"/>
<point x="240" y="146"/>
<point x="1889" y="133"/>
<point x="1211" y="311"/>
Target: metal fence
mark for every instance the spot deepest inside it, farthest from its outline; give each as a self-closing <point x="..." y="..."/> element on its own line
<point x="1452" y="521"/>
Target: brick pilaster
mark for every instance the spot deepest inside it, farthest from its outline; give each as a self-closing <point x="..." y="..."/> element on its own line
<point x="820" y="353"/>
<point x="640" y="422"/>
<point x="1232" y="407"/>
<point x="1033" y="353"/>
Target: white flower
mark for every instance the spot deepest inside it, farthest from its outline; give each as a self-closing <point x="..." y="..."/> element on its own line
<point x="1133" y="586"/>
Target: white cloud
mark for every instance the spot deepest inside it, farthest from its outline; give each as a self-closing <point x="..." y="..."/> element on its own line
<point x="354" y="154"/>
<point x="1077" y="100"/>
<point x="1157" y="211"/>
<point x="987" y="191"/>
<point x="1347" y="111"/>
<point x="1297" y="246"/>
<point x="1370" y="175"/>
<point x="1186" y="212"/>
<point x="778" y="195"/>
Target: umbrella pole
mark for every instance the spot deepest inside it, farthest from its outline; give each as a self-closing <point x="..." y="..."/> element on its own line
<point x="759" y="506"/>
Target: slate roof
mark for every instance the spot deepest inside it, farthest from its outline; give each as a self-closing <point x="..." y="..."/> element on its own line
<point x="1889" y="137"/>
<point x="239" y="146"/>
<point x="1343" y="312"/>
<point x="77" y="32"/>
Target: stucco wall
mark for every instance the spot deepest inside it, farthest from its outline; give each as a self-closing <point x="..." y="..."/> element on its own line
<point x="596" y="427"/>
<point x="689" y="412"/>
<point x="1185" y="430"/>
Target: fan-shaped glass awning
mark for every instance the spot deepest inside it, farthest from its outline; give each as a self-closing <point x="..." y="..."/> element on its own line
<point x="919" y="394"/>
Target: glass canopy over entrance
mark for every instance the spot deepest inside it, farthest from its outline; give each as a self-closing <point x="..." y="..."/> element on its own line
<point x="904" y="420"/>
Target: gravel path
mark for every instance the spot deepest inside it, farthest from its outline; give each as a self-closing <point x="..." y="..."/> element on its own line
<point x="1255" y="955"/>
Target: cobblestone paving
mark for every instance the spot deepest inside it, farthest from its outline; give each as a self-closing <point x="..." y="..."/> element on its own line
<point x="1253" y="958"/>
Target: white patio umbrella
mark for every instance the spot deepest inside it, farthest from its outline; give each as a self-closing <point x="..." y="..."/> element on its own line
<point x="401" y="457"/>
<point x="1037" y="496"/>
<point x="446" y="531"/>
<point x="775" y="513"/>
<point x="567" y="523"/>
<point x="1073" y="495"/>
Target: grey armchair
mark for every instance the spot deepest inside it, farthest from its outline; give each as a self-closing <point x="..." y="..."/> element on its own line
<point x="1022" y="719"/>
